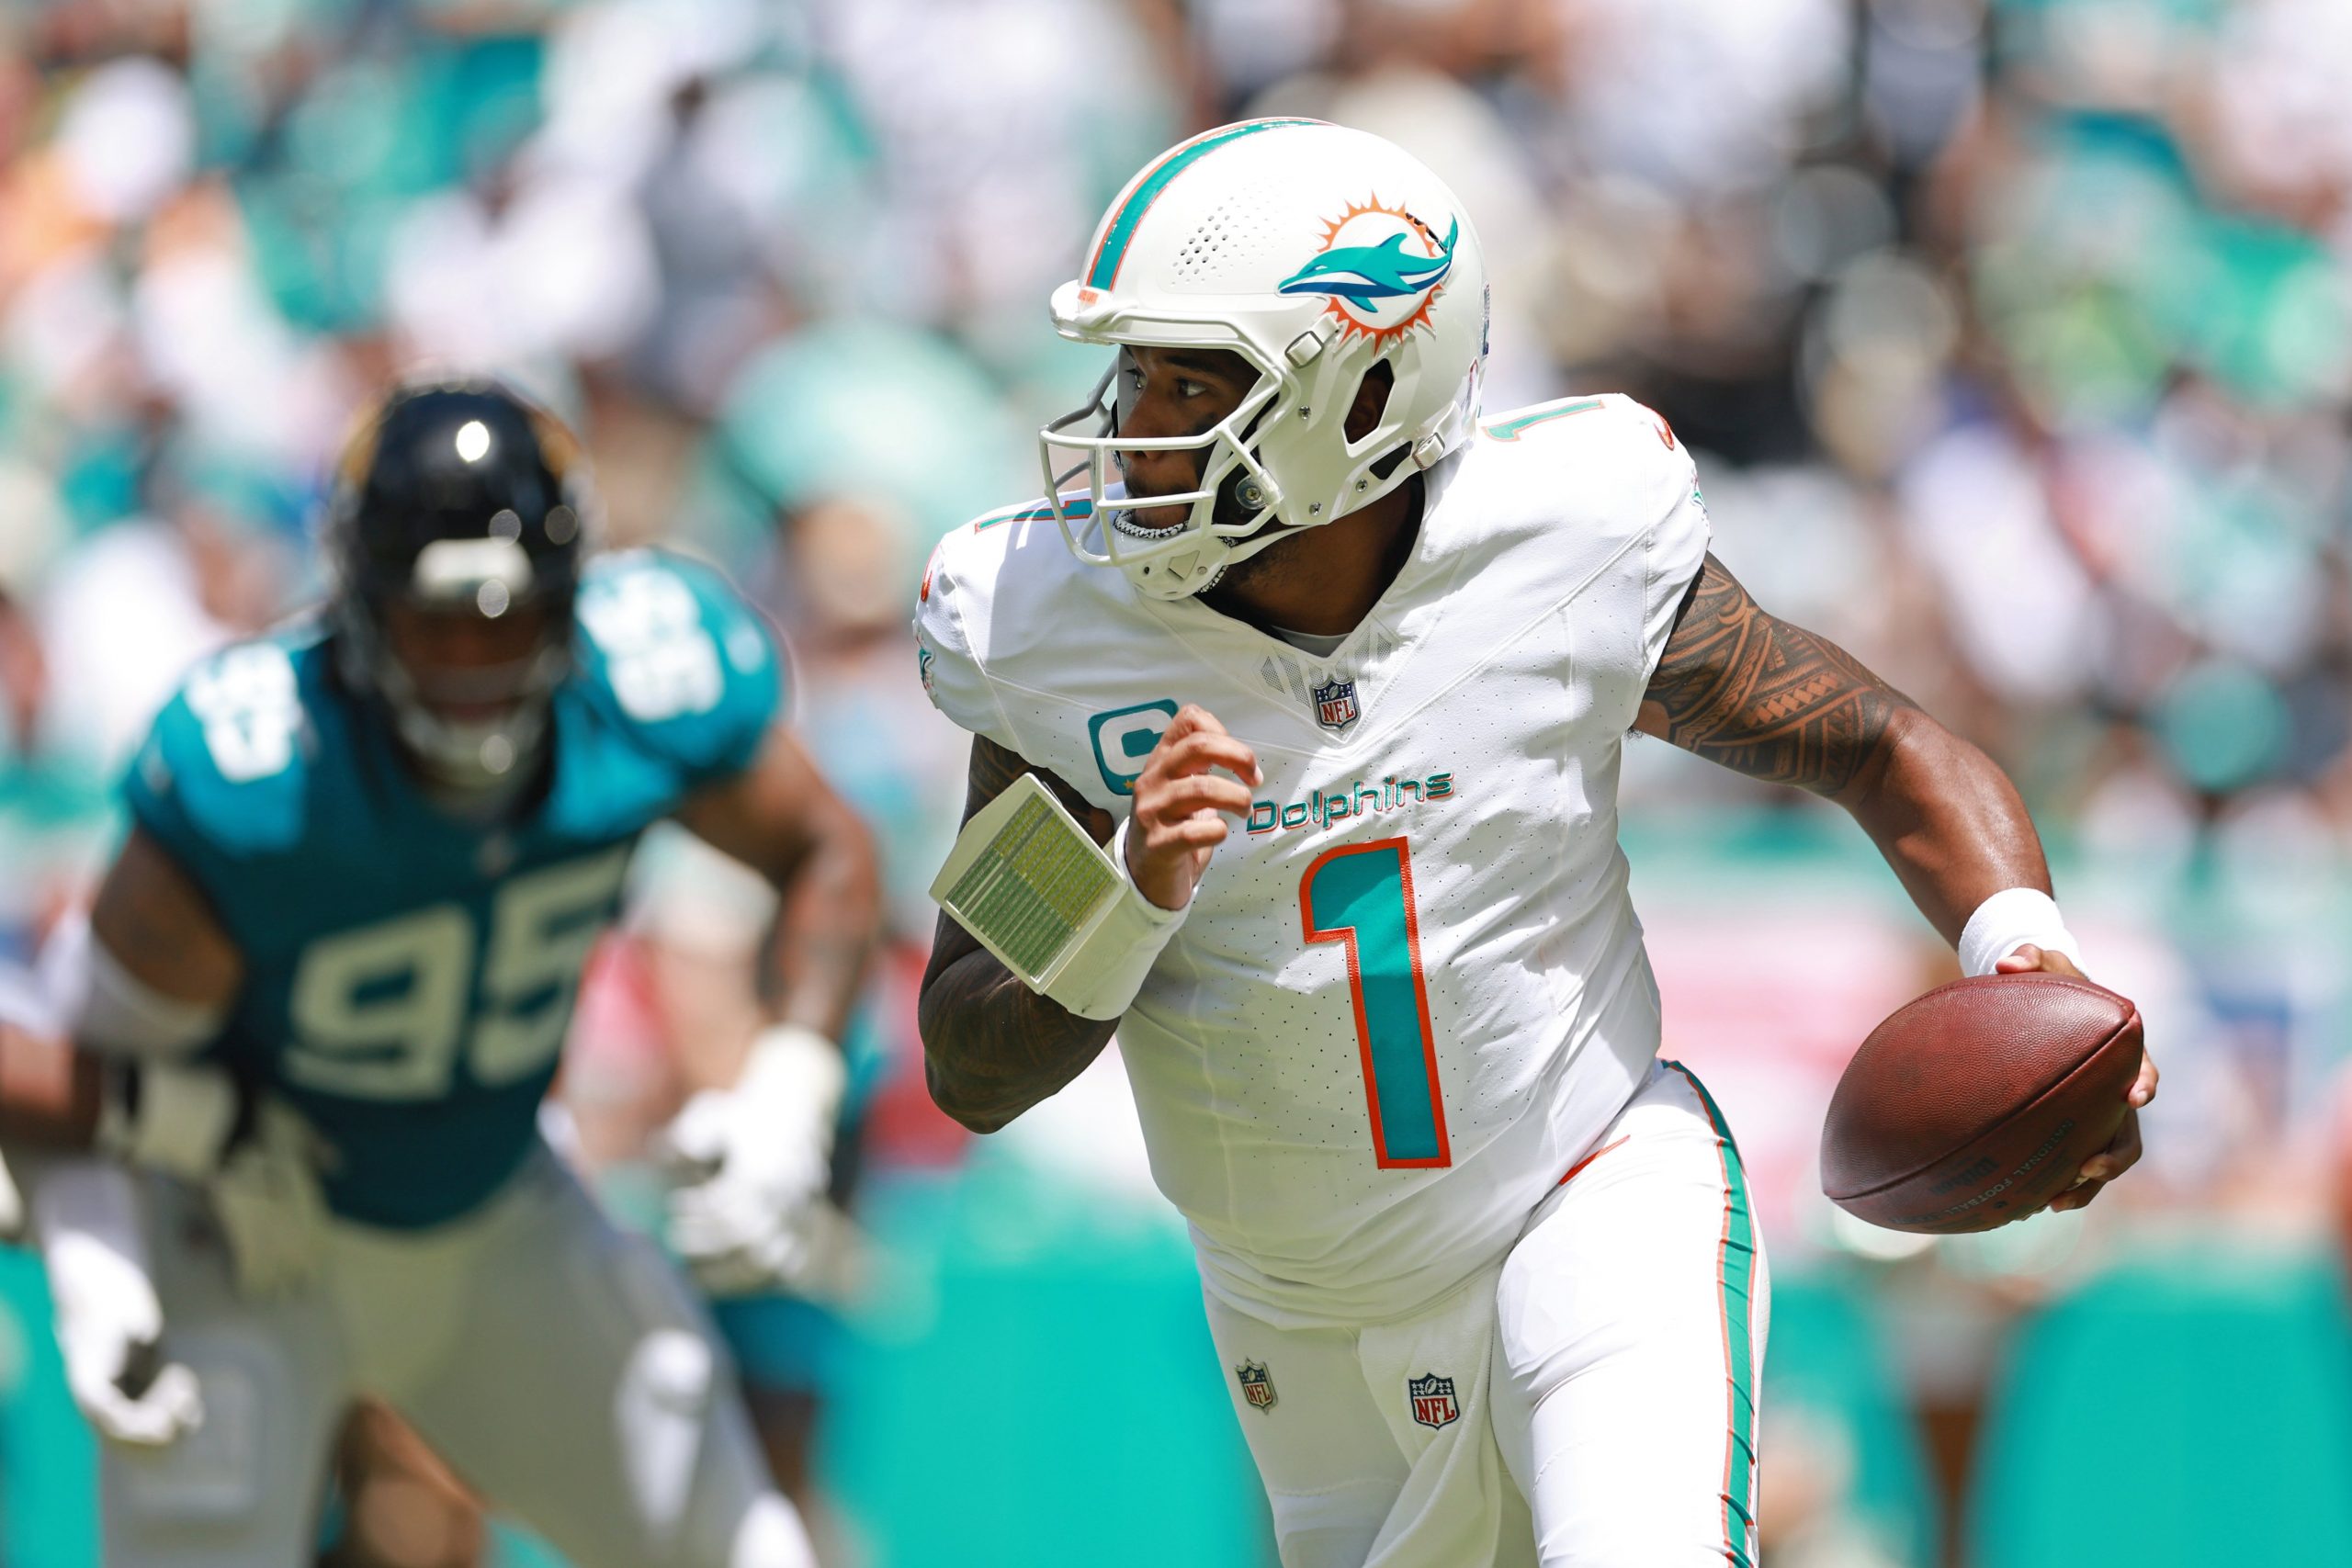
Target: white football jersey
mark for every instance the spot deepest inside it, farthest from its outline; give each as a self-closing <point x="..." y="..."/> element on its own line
<point x="1410" y="990"/>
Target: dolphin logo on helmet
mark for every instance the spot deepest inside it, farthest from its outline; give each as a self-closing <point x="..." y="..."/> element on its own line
<point x="1370" y="276"/>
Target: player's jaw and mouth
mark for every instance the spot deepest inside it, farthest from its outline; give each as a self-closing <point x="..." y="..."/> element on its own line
<point x="1178" y="392"/>
<point x="1143" y="474"/>
<point x="468" y="668"/>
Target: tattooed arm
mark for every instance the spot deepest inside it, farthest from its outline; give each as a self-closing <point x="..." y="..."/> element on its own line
<point x="992" y="1047"/>
<point x="1777" y="703"/>
<point x="1771" y="700"/>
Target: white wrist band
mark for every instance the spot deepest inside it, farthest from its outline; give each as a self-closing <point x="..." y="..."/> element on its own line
<point x="2010" y="919"/>
<point x="1100" y="977"/>
<point x="99" y="1001"/>
<point x="184" y="1120"/>
<point x="1036" y="890"/>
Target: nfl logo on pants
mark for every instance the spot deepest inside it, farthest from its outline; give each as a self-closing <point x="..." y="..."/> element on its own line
<point x="1257" y="1384"/>
<point x="1433" y="1399"/>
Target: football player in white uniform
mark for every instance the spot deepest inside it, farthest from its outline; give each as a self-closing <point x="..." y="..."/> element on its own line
<point x="1341" y="674"/>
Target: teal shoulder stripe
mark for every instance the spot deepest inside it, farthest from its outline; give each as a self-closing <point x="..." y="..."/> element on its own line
<point x="1113" y="249"/>
<point x="1003" y="514"/>
<point x="1033" y="512"/>
<point x="1511" y="429"/>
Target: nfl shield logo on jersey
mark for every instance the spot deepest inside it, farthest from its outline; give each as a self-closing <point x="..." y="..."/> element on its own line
<point x="1257" y="1384"/>
<point x="1433" y="1399"/>
<point x="1335" y="705"/>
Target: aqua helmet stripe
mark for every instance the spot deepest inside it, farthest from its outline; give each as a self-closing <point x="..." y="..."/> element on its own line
<point x="1112" y="252"/>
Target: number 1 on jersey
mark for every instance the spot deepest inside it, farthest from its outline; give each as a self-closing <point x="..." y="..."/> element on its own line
<point x="1362" y="894"/>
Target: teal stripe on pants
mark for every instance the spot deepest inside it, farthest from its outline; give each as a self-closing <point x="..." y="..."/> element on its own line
<point x="1735" y="1278"/>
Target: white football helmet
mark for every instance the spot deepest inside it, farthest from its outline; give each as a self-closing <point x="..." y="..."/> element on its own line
<point x="1315" y="252"/>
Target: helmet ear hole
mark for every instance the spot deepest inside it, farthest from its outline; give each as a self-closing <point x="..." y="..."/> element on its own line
<point x="1371" y="401"/>
<point x="1238" y="498"/>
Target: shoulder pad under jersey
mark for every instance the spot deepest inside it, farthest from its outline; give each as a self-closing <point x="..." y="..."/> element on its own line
<point x="673" y="655"/>
<point x="226" y="768"/>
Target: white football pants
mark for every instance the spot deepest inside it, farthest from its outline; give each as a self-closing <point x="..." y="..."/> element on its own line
<point x="556" y="1364"/>
<point x="1589" y="1402"/>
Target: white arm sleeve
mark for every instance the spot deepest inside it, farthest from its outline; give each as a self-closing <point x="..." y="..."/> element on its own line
<point x="97" y="1002"/>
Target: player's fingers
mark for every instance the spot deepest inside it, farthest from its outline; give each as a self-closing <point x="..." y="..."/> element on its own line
<point x="1191" y="719"/>
<point x="2029" y="959"/>
<point x="1153" y="786"/>
<point x="2125" y="1153"/>
<point x="1194" y="716"/>
<point x="1188" y="718"/>
<point x="2075" y="1197"/>
<point x="1180" y="798"/>
<point x="1167" y="852"/>
<point x="2143" y="1088"/>
<point x="1200" y="754"/>
<point x="1199" y="832"/>
<point x="1176" y="834"/>
<point x="1200" y="751"/>
<point x="2117" y="1157"/>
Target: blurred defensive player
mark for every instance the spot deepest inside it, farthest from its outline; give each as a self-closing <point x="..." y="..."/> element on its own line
<point x="1341" y="674"/>
<point x="327" y="982"/>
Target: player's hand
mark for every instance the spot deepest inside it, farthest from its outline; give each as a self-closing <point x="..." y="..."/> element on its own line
<point x="753" y="1163"/>
<point x="109" y="1320"/>
<point x="267" y="1198"/>
<point x="2124" y="1152"/>
<point x="255" y="1157"/>
<point x="1196" y="773"/>
<point x="110" y="1337"/>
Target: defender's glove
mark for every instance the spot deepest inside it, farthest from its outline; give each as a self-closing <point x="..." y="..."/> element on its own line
<point x="256" y="1159"/>
<point x="109" y="1324"/>
<point x="271" y="1207"/>
<point x="755" y="1161"/>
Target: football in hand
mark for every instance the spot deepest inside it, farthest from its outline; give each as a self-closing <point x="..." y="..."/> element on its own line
<point x="1978" y="1103"/>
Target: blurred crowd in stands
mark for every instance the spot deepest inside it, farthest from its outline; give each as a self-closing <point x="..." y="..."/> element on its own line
<point x="2013" y="337"/>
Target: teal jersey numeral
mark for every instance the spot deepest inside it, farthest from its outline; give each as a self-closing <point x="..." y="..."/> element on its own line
<point x="1362" y="895"/>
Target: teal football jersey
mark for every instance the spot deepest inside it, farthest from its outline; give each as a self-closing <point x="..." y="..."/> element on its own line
<point x="409" y="974"/>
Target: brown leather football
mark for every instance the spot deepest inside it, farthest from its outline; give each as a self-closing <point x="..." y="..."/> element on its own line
<point x="1977" y="1103"/>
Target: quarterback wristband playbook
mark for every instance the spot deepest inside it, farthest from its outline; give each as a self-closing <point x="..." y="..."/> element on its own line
<point x="1034" y="889"/>
<point x="2008" y="920"/>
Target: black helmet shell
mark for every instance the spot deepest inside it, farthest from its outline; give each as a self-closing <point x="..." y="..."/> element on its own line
<point x="455" y="460"/>
<point x="468" y="499"/>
